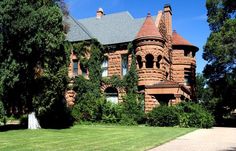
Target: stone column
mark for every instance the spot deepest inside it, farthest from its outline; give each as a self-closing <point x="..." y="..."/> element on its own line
<point x="177" y="98"/>
<point x="144" y="64"/>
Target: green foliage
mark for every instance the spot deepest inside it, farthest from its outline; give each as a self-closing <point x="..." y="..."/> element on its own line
<point x="194" y="115"/>
<point x="24" y="120"/>
<point x="111" y="113"/>
<point x="219" y="51"/>
<point x="185" y="114"/>
<point x="33" y="58"/>
<point x="2" y="113"/>
<point x="133" y="103"/>
<point x="163" y="116"/>
<point x="114" y="81"/>
<point x="133" y="106"/>
<point x="90" y="105"/>
<point x="131" y="79"/>
<point x="88" y="91"/>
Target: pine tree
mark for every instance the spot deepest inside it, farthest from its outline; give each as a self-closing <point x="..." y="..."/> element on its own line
<point x="220" y="51"/>
<point x="33" y="59"/>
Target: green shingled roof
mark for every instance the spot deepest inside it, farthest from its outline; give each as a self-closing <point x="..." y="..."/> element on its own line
<point x="110" y="29"/>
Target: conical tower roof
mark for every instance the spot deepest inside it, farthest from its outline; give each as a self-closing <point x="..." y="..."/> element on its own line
<point x="148" y="29"/>
<point x="178" y="40"/>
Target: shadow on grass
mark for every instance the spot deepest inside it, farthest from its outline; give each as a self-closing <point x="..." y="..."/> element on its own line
<point x="12" y="127"/>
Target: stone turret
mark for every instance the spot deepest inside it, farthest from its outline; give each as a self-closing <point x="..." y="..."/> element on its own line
<point x="149" y="45"/>
<point x="183" y="62"/>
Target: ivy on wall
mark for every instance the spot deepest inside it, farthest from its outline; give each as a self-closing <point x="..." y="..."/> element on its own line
<point x="91" y="105"/>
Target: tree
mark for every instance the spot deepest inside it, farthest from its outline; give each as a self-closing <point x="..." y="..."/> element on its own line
<point x="33" y="58"/>
<point x="220" y="51"/>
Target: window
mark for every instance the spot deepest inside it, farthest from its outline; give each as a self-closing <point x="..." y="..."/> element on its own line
<point x="75" y="67"/>
<point x="193" y="53"/>
<point x="149" y="61"/>
<point x="139" y="60"/>
<point x="105" y="67"/>
<point x="111" y="94"/>
<point x="187" y="53"/>
<point x="124" y="64"/>
<point x="159" y="62"/>
<point x="187" y="77"/>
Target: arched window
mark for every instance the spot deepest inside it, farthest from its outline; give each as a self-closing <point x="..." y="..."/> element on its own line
<point x="149" y="61"/>
<point x="158" y="64"/>
<point x="111" y="94"/>
<point x="105" y="67"/>
<point x="139" y="60"/>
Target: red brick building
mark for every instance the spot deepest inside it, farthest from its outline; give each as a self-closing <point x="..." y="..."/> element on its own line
<point x="165" y="60"/>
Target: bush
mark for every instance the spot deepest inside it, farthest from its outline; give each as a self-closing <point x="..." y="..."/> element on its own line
<point x="24" y="120"/>
<point x="163" y="116"/>
<point x="194" y="115"/>
<point x="111" y="113"/>
<point x="2" y="113"/>
<point x="133" y="107"/>
<point x="126" y="120"/>
<point x="101" y="111"/>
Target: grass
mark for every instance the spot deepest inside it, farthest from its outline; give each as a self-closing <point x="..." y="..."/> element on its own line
<point x="89" y="138"/>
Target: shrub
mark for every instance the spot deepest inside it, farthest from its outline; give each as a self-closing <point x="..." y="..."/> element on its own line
<point x="2" y="113"/>
<point x="163" y="116"/>
<point x="194" y="115"/>
<point x="111" y="113"/>
<point x="133" y="107"/>
<point x="24" y="120"/>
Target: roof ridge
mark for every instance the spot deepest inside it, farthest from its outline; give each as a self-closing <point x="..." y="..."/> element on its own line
<point x="82" y="27"/>
<point x="94" y="17"/>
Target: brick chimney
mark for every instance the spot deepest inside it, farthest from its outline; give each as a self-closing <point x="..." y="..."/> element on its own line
<point x="168" y="18"/>
<point x="100" y="13"/>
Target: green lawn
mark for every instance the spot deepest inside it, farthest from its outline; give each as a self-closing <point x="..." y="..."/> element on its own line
<point x="89" y="138"/>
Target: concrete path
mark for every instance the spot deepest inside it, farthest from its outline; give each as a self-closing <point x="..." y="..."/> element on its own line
<point x="215" y="139"/>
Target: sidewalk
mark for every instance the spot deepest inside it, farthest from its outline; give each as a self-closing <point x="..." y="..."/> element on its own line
<point x="215" y="139"/>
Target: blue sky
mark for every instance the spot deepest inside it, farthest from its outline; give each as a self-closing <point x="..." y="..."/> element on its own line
<point x="189" y="17"/>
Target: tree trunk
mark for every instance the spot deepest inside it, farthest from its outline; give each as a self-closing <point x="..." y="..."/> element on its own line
<point x="33" y="121"/>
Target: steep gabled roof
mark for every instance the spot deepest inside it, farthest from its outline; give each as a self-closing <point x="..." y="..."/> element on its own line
<point x="148" y="29"/>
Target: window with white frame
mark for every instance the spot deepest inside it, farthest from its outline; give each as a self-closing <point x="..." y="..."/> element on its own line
<point x="105" y="67"/>
<point x="124" y="64"/>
